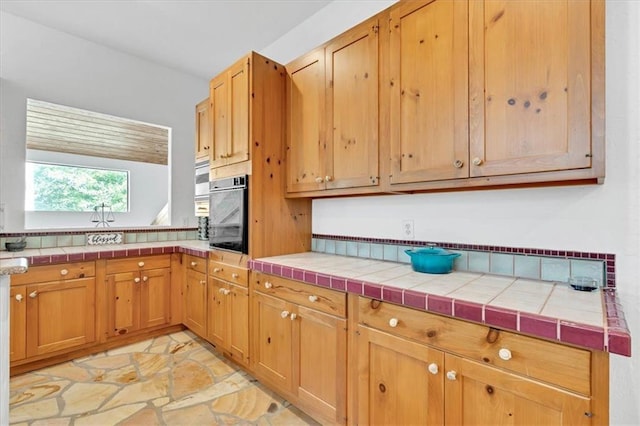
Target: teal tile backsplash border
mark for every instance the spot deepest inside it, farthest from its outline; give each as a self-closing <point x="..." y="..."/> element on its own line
<point x="537" y="264"/>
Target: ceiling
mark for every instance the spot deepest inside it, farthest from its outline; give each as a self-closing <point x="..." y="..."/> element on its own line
<point x="198" y="37"/>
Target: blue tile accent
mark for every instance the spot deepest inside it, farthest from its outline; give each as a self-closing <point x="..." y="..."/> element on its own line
<point x="48" y="241"/>
<point x="390" y="252"/>
<point x="33" y="242"/>
<point x="162" y="236"/>
<point x="141" y="238"/>
<point x="320" y="245"/>
<point x="364" y="250"/>
<point x="402" y="256"/>
<point x="153" y="237"/>
<point x="341" y="247"/>
<point x="330" y="246"/>
<point x="352" y="248"/>
<point x="589" y="268"/>
<point x="461" y="263"/>
<point x="555" y="270"/>
<point x="527" y="267"/>
<point x="172" y="236"/>
<point x="478" y="261"/>
<point x="501" y="264"/>
<point x="80" y="240"/>
<point x="377" y="251"/>
<point x="314" y="244"/>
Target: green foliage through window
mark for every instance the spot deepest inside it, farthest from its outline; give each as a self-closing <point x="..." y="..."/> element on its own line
<point x="75" y="189"/>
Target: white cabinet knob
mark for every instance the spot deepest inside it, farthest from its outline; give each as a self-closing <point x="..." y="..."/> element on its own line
<point x="477" y="161"/>
<point x="34" y="294"/>
<point x="217" y="269"/>
<point x="19" y="297"/>
<point x="433" y="368"/>
<point x="327" y="178"/>
<point x="504" y="354"/>
<point x="64" y="272"/>
<point x="234" y="275"/>
<point x="203" y="282"/>
<point x="221" y="290"/>
<point x="293" y="316"/>
<point x="313" y="298"/>
<point x="267" y="284"/>
<point x="393" y="322"/>
<point x="194" y="263"/>
<point x="145" y="278"/>
<point x="141" y="264"/>
<point x="226" y="291"/>
<point x="136" y="280"/>
<point x="284" y="314"/>
<point x="319" y="180"/>
<point x="452" y="375"/>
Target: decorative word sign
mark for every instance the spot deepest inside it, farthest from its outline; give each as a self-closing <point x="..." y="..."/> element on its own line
<point x="105" y="238"/>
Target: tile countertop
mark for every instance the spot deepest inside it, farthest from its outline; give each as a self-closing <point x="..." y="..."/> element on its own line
<point x="539" y="308"/>
<point x="552" y="311"/>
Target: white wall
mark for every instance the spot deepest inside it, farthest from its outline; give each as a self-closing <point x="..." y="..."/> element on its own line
<point x="604" y="218"/>
<point x="41" y="63"/>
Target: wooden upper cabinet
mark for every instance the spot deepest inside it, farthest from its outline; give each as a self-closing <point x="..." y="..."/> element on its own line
<point x="351" y="157"/>
<point x="428" y="91"/>
<point x="332" y="114"/>
<point x="203" y="130"/>
<point x="306" y="123"/>
<point x="529" y="86"/>
<point x="229" y="97"/>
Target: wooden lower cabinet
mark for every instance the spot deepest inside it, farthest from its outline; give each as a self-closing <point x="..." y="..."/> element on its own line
<point x="300" y="351"/>
<point x="18" y="323"/>
<point x="195" y="302"/>
<point x="138" y="294"/>
<point x="228" y="319"/>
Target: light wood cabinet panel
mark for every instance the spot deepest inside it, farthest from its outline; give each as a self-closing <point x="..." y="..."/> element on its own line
<point x="306" y="123"/>
<point x="155" y="301"/>
<point x="428" y="91"/>
<point x="195" y="302"/>
<point x="477" y="394"/>
<point x="319" y="360"/>
<point x="530" y="86"/>
<point x="400" y="382"/>
<point x="229" y="97"/>
<point x="272" y="344"/>
<point x="217" y="311"/>
<point x="50" y="326"/>
<point x="228" y="319"/>
<point x="352" y="108"/>
<point x="203" y="130"/>
<point x="18" y="323"/>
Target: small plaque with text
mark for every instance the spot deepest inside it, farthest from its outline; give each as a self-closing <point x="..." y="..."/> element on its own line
<point x="104" y="239"/>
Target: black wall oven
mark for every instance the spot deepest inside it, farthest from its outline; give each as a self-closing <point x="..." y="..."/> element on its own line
<point x="229" y="214"/>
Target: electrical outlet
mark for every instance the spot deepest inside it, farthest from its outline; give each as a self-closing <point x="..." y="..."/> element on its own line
<point x="407" y="229"/>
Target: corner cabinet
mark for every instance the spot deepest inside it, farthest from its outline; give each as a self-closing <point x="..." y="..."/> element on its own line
<point x="299" y="344"/>
<point x="229" y="97"/>
<point x="332" y="97"/>
<point x="413" y="367"/>
<point x="138" y="294"/>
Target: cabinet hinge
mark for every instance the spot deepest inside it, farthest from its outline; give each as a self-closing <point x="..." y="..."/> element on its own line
<point x="357" y="333"/>
<point x="375" y="28"/>
<point x="589" y="155"/>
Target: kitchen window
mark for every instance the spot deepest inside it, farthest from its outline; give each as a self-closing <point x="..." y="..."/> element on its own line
<point x="65" y="188"/>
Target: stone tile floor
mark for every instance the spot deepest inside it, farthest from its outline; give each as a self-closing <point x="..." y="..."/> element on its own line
<point x="177" y="379"/>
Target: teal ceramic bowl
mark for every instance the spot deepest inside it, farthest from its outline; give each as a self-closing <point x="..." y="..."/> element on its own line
<point x="432" y="260"/>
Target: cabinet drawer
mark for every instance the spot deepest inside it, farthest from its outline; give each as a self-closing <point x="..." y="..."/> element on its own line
<point x="128" y="264"/>
<point x="555" y="363"/>
<point x="230" y="273"/>
<point x="329" y="301"/>
<point x="62" y="271"/>
<point x="196" y="263"/>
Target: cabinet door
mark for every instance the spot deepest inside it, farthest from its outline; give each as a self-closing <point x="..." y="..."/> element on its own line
<point x="476" y="394"/>
<point x="203" y="130"/>
<point x="195" y="302"/>
<point x="529" y="86"/>
<point x="238" y="322"/>
<point x="220" y="120"/>
<point x="352" y="108"/>
<point x="123" y="302"/>
<point x="320" y="357"/>
<point x="238" y="140"/>
<point x="18" y="323"/>
<point x="272" y="344"/>
<point x="428" y="105"/>
<point x="60" y="315"/>
<point x="400" y="382"/>
<point x="217" y="315"/>
<point x="155" y="300"/>
<point x="306" y="123"/>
